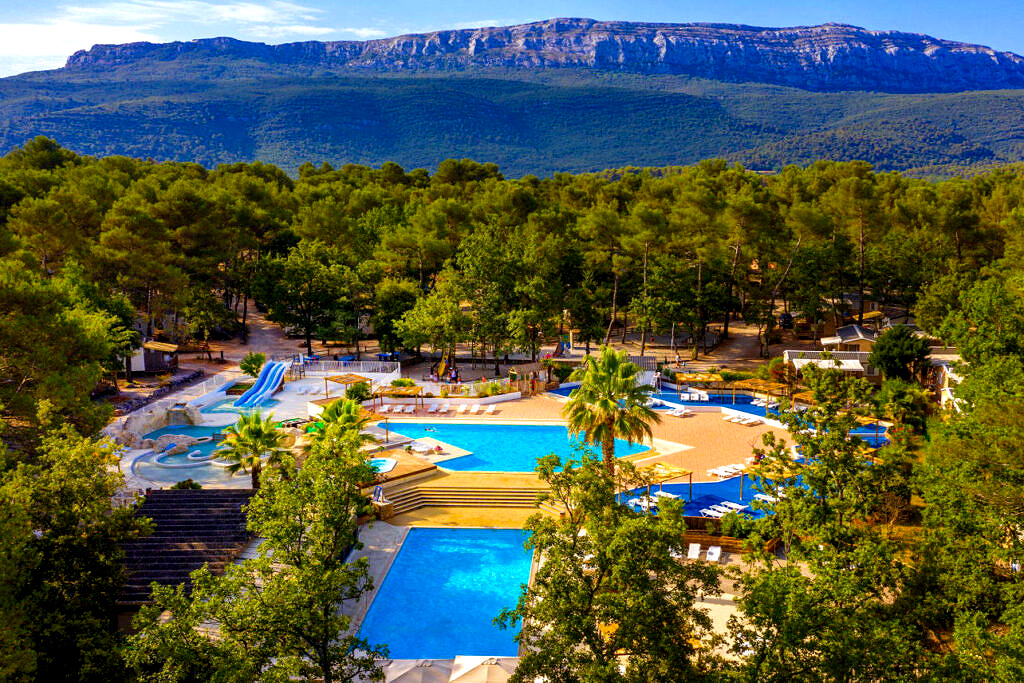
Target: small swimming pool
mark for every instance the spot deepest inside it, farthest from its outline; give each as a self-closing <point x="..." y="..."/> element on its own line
<point x="169" y="469"/>
<point x="444" y="590"/>
<point x="502" y="448"/>
<point x="383" y="465"/>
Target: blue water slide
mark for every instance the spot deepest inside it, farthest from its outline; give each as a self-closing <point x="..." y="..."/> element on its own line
<point x="266" y="384"/>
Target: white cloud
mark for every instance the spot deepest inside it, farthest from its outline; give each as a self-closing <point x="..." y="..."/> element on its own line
<point x="63" y="37"/>
<point x="150" y="12"/>
<point x="363" y="33"/>
<point x="36" y="45"/>
<point x="482" y="23"/>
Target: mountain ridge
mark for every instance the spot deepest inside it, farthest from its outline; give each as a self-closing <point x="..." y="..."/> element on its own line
<point x="824" y="58"/>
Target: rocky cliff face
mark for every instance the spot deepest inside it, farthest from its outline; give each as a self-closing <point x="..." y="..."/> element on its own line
<point x="828" y="57"/>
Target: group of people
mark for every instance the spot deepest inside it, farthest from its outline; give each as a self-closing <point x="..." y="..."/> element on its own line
<point x="451" y="376"/>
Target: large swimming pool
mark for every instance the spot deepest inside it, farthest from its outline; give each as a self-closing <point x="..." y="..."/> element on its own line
<point x="502" y="448"/>
<point x="444" y="590"/>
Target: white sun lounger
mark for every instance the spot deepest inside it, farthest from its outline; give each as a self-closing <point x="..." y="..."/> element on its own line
<point x="444" y="408"/>
<point x="765" y="498"/>
<point x="664" y="494"/>
<point x="410" y="409"/>
<point x="475" y="409"/>
<point x="734" y="506"/>
<point x="721" y="508"/>
<point x="432" y="408"/>
<point x="384" y="408"/>
<point x="491" y="409"/>
<point x="714" y="553"/>
<point x="704" y="397"/>
<point x="462" y="408"/>
<point x="753" y="422"/>
<point x="705" y="512"/>
<point x="693" y="552"/>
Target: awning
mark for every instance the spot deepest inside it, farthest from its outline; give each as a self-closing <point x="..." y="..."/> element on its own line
<point x="844" y="365"/>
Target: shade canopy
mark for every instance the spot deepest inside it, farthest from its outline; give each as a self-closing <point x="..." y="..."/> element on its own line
<point x="483" y="669"/>
<point x="349" y="378"/>
<point x="661" y="472"/>
<point x="846" y="365"/>
<point x="697" y="377"/>
<point x="407" y="392"/>
<point x="418" y="671"/>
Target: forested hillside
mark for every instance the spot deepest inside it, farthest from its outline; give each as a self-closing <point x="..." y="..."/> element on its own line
<point x="539" y="121"/>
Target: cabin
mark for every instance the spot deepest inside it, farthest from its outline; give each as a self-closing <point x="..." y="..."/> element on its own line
<point x="851" y="338"/>
<point x="854" y="363"/>
<point x="155" y="357"/>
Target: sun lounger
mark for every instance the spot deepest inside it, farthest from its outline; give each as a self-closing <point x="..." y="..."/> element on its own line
<point x="664" y="494"/>
<point x="462" y="408"/>
<point x="714" y="553"/>
<point x="693" y="552"/>
<point x="475" y="409"/>
<point x="734" y="506"/>
<point x="410" y="409"/>
<point x="432" y="408"/>
<point x="721" y="508"/>
<point x="384" y="409"/>
<point x="705" y="512"/>
<point x="491" y="409"/>
<point x="704" y="398"/>
<point x="765" y="498"/>
<point x="444" y="408"/>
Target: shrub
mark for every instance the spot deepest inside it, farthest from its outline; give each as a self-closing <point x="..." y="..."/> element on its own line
<point x="252" y="363"/>
<point x="403" y="382"/>
<point x="358" y="392"/>
<point x="562" y="371"/>
<point x="444" y="392"/>
<point x="188" y="484"/>
<point x="732" y="376"/>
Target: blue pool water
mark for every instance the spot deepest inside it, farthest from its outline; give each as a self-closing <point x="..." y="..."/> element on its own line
<point x="444" y="590"/>
<point x="502" y="448"/>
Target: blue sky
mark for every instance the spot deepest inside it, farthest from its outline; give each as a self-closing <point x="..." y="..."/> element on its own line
<point x="40" y="34"/>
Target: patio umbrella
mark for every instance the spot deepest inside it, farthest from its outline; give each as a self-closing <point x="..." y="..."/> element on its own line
<point x="483" y="669"/>
<point x="418" y="671"/>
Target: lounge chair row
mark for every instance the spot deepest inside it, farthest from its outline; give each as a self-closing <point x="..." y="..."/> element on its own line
<point x="681" y="412"/>
<point x="746" y="420"/>
<point x="727" y="471"/>
<point x="762" y="403"/>
<point x="439" y="409"/>
<point x="722" y="509"/>
<point x="714" y="553"/>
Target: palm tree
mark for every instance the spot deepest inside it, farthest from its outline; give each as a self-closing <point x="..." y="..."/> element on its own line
<point x="349" y="416"/>
<point x="609" y="404"/>
<point x="249" y="441"/>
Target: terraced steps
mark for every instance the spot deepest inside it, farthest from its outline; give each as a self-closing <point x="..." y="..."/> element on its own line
<point x="415" y="497"/>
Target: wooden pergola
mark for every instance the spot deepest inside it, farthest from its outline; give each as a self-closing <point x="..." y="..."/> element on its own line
<point x="397" y="392"/>
<point x="659" y="472"/>
<point x="805" y="397"/>
<point x="348" y="379"/>
<point x="756" y="386"/>
<point x="698" y="378"/>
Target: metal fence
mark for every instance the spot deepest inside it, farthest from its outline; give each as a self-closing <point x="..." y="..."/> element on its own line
<point x="330" y="367"/>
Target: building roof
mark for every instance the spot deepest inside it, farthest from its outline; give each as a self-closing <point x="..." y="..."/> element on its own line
<point x="160" y="346"/>
<point x="190" y="529"/>
<point x="848" y="334"/>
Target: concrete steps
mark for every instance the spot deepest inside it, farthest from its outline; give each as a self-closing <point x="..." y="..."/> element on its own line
<point x="419" y="496"/>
